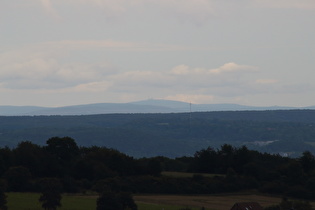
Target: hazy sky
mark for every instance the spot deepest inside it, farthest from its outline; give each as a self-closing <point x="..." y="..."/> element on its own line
<point x="66" y="52"/>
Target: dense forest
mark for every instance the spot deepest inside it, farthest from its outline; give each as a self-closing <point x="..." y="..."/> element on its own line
<point x="171" y="135"/>
<point x="101" y="169"/>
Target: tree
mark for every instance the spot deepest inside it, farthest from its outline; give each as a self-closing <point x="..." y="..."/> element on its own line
<point x="308" y="161"/>
<point x="51" y="193"/>
<point x="64" y="148"/>
<point x="61" y="154"/>
<point x="3" y="201"/>
<point x="3" y="197"/>
<point x="109" y="201"/>
<point x="18" y="178"/>
<point x="30" y="156"/>
<point x="205" y="161"/>
<point x="127" y="201"/>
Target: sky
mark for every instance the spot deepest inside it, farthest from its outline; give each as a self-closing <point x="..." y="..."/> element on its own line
<point x="69" y="52"/>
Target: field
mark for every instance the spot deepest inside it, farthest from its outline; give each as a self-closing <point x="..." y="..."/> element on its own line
<point x="29" y="201"/>
<point x="210" y="202"/>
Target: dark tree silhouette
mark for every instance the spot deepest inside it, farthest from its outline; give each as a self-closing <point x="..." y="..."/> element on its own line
<point x="127" y="201"/>
<point x="64" y="148"/>
<point x="308" y="161"/>
<point x="109" y="201"/>
<point x="3" y="198"/>
<point x="50" y="197"/>
<point x="18" y="178"/>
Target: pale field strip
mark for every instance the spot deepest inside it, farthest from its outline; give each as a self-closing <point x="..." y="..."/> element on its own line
<point x="213" y="202"/>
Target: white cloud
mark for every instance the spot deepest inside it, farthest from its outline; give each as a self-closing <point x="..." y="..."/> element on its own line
<point x="197" y="11"/>
<point x="181" y="70"/>
<point x="112" y="45"/>
<point x="23" y="69"/>
<point x="184" y="83"/>
<point x="266" y="81"/>
<point x="43" y="65"/>
<point x="187" y="10"/>
<point x="48" y="7"/>
<point x="183" y="78"/>
<point x="100" y="86"/>
<point x="226" y="68"/>
<point x="233" y="67"/>
<point x="301" y="4"/>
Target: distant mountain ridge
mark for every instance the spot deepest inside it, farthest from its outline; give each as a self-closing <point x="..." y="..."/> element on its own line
<point x="146" y="106"/>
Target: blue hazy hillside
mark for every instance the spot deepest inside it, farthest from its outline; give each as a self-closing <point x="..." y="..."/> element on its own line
<point x="146" y="106"/>
<point x="287" y="132"/>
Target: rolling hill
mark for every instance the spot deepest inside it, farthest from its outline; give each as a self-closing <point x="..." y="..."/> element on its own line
<point x="285" y="132"/>
<point x="147" y="106"/>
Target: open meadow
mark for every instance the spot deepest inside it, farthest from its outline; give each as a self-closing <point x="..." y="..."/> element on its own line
<point x="29" y="201"/>
<point x="211" y="202"/>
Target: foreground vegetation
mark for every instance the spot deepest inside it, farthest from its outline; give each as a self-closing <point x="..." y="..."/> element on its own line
<point x="209" y="171"/>
<point x="29" y="201"/>
<point x="33" y="168"/>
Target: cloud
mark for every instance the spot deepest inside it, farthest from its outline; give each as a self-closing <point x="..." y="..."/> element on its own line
<point x="47" y="67"/>
<point x="197" y="11"/>
<point x="182" y="82"/>
<point x="301" y="4"/>
<point x="34" y="70"/>
<point x="185" y="10"/>
<point x="266" y="81"/>
<point x="44" y="65"/>
<point x="112" y="45"/>
<point x="99" y="86"/>
<point x="48" y="7"/>
<point x="183" y="78"/>
<point x="45" y="62"/>
<point x="226" y="68"/>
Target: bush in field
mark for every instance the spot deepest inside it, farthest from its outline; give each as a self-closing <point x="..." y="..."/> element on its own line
<point x="3" y="199"/>
<point x="51" y="193"/>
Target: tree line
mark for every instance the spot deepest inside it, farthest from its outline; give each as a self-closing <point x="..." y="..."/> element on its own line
<point x="79" y="169"/>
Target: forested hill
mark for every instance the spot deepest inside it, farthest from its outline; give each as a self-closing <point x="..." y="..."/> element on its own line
<point x="288" y="132"/>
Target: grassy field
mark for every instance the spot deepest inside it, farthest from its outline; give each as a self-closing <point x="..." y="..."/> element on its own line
<point x="150" y="206"/>
<point x="29" y="201"/>
<point x="210" y="202"/>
